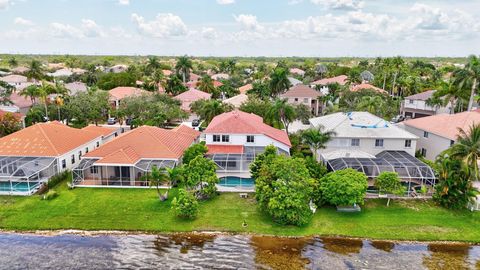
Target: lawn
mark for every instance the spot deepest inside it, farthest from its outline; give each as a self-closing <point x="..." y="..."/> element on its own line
<point x="140" y="210"/>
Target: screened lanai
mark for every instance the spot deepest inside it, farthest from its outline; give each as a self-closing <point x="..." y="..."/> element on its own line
<point x="24" y="175"/>
<point x="413" y="172"/>
<point x="91" y="173"/>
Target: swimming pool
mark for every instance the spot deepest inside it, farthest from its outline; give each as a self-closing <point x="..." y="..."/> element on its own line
<point x="17" y="186"/>
<point x="233" y="181"/>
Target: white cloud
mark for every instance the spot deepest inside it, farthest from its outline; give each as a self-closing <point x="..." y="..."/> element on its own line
<point x="209" y="33"/>
<point x="163" y="26"/>
<point x="124" y="2"/>
<point x="294" y="2"/>
<point x="4" y="4"/>
<point x="248" y="22"/>
<point x="91" y="29"/>
<point x="340" y="4"/>
<point x="225" y="2"/>
<point x="22" y="21"/>
<point x="60" y="30"/>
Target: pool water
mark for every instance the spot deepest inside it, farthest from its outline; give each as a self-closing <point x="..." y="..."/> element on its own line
<point x="232" y="181"/>
<point x="17" y="186"/>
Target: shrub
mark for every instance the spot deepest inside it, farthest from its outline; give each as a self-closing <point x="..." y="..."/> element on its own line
<point x="185" y="205"/>
<point x="198" y="149"/>
<point x="344" y="187"/>
<point x="57" y="179"/>
<point x="200" y="173"/>
<point x="51" y="194"/>
<point x="389" y="183"/>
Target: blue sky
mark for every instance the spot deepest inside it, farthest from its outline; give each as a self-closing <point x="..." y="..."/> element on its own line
<point x="241" y="27"/>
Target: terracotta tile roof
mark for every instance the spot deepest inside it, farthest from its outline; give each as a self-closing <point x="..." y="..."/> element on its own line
<point x="297" y="71"/>
<point x="187" y="131"/>
<point x="301" y="91"/>
<point x="445" y="125"/>
<point x="44" y="140"/>
<point x="224" y="149"/>
<point x="19" y="101"/>
<point x="191" y="96"/>
<point x="245" y="88"/>
<point x="167" y="72"/>
<point x="144" y="143"/>
<point x="193" y="84"/>
<point x="194" y="77"/>
<point x="100" y="130"/>
<point x="363" y="86"/>
<point x="342" y="80"/>
<point x="238" y="122"/>
<point x="121" y="92"/>
<point x="16" y="115"/>
<point x="237" y="100"/>
<point x="14" y="79"/>
<point x="422" y="96"/>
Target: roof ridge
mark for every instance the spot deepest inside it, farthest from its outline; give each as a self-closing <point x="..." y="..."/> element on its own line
<point x="40" y="126"/>
<point x="158" y="140"/>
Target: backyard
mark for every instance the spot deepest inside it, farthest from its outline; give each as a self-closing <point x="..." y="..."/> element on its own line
<point x="140" y="210"/>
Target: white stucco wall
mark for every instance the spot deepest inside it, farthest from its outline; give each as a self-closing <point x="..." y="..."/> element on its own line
<point x="68" y="156"/>
<point x="434" y="144"/>
<point x="367" y="145"/>
<point x="241" y="139"/>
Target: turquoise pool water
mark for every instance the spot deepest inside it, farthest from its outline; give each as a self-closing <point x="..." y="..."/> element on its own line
<point x="17" y="186"/>
<point x="232" y="181"/>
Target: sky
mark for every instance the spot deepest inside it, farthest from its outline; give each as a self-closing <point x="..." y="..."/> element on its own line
<point x="319" y="28"/>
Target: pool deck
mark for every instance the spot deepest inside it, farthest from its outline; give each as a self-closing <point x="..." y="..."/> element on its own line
<point x="236" y="189"/>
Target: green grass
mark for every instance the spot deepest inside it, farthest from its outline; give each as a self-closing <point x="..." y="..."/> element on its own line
<point x="140" y="210"/>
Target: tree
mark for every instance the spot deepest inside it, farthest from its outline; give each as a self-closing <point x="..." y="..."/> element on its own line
<point x="260" y="90"/>
<point x="206" y="85"/>
<point x="152" y="64"/>
<point x="228" y="90"/>
<point x="279" y="82"/>
<point x="470" y="75"/>
<point x="282" y="112"/>
<point x="449" y="93"/>
<point x="467" y="148"/>
<point x="156" y="177"/>
<point x="9" y="123"/>
<point x="317" y="139"/>
<point x="5" y="92"/>
<point x="185" y="205"/>
<point x="303" y="113"/>
<point x="266" y="157"/>
<point x="454" y="189"/>
<point x="389" y="183"/>
<point x="195" y="150"/>
<point x="344" y="187"/>
<point x="208" y="109"/>
<point x="174" y="85"/>
<point x="284" y="190"/>
<point x="31" y="91"/>
<point x="87" y="107"/>
<point x="257" y="106"/>
<point x="109" y="81"/>
<point x="43" y="92"/>
<point x="183" y="67"/>
<point x="200" y="176"/>
<point x="35" y="70"/>
<point x="372" y="104"/>
<point x="12" y="62"/>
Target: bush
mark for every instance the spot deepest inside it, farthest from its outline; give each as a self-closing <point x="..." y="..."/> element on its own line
<point x="389" y="183"/>
<point x="185" y="205"/>
<point x="57" y="179"/>
<point x="51" y="194"/>
<point x="200" y="173"/>
<point x="198" y="149"/>
<point x="344" y="187"/>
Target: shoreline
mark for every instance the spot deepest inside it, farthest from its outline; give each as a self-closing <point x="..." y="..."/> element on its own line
<point x="98" y="233"/>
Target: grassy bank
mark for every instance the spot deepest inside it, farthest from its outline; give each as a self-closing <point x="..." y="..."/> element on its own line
<point x="133" y="209"/>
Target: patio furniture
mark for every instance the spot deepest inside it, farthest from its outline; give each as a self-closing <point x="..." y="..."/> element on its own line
<point x="243" y="195"/>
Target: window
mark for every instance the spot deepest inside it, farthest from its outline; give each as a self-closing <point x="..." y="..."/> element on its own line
<point x="216" y="138"/>
<point x="94" y="169"/>
<point x="225" y="138"/>
<point x="305" y="100"/>
<point x="408" y="143"/>
<point x="296" y="99"/>
<point x="116" y="134"/>
<point x="86" y="150"/>
<point x="79" y="155"/>
<point x="410" y="101"/>
<point x="73" y="159"/>
<point x="452" y="142"/>
<point x="98" y="144"/>
<point x="423" y="152"/>
<point x="355" y="142"/>
<point x="425" y="134"/>
<point x="250" y="139"/>
<point x="64" y="164"/>
<point x="379" y="143"/>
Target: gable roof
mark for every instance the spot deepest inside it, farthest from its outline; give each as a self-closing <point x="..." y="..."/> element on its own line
<point x="342" y="80"/>
<point x="76" y="87"/>
<point x="145" y="142"/>
<point x="360" y="125"/>
<point x="245" y="88"/>
<point x="14" y="79"/>
<point x="238" y="122"/>
<point x="301" y="91"/>
<point x="445" y="125"/>
<point x="122" y="92"/>
<point x="20" y="101"/>
<point x="367" y="86"/>
<point x="237" y="100"/>
<point x="100" y="130"/>
<point x="44" y="140"/>
<point x="422" y="96"/>
<point x="193" y="95"/>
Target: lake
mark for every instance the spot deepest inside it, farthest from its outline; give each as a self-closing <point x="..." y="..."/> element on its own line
<point x="208" y="251"/>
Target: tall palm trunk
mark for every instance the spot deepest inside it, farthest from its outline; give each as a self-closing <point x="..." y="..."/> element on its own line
<point x="394" y="81"/>
<point x="472" y="94"/>
<point x="384" y="80"/>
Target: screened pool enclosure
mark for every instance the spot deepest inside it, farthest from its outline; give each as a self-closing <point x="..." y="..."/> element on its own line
<point x="90" y="173"/>
<point x="413" y="172"/>
<point x="25" y="175"/>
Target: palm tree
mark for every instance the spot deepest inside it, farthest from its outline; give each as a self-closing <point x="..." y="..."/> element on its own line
<point x="152" y="64"/>
<point x="206" y="84"/>
<point x="183" y="66"/>
<point x="156" y="177"/>
<point x="208" y="109"/>
<point x="35" y="70"/>
<point x="372" y="104"/>
<point x="282" y="112"/>
<point x="174" y="85"/>
<point x="12" y="62"/>
<point x="60" y="91"/>
<point x="470" y="75"/>
<point x="397" y="65"/>
<point x="30" y="91"/>
<point x="43" y="92"/>
<point x="451" y="93"/>
<point x="279" y="81"/>
<point x="467" y="148"/>
<point x="316" y="138"/>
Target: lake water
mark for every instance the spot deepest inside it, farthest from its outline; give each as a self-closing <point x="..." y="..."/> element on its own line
<point x="200" y="251"/>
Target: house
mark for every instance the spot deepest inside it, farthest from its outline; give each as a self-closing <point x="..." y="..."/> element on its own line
<point x="244" y="89"/>
<point x="323" y="84"/>
<point x="117" y="69"/>
<point x="107" y="133"/>
<point x="29" y="157"/>
<point x="438" y="132"/>
<point x="121" y="92"/>
<point x="415" y="106"/>
<point x="234" y="139"/>
<point x="64" y="72"/>
<point x="367" y="86"/>
<point x="302" y="94"/>
<point x="297" y="71"/>
<point x="76" y="87"/>
<point x="190" y="96"/>
<point x="237" y="100"/>
<point x="125" y="160"/>
<point x="20" y="70"/>
<point x="194" y="84"/>
<point x="167" y="72"/>
<point x="19" y="104"/>
<point x="371" y="145"/>
<point x="220" y="76"/>
<point x="294" y="81"/>
<point x="18" y="81"/>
